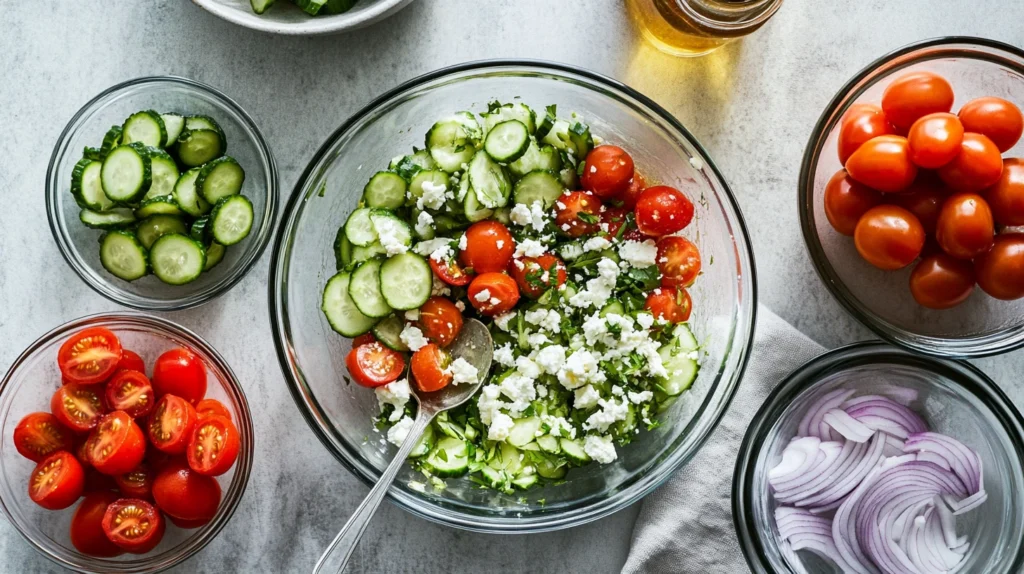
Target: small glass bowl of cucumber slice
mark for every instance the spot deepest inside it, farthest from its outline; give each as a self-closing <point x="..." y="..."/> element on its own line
<point x="161" y="193"/>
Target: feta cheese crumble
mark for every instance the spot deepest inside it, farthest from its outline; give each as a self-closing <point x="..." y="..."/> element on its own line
<point x="596" y="244"/>
<point x="533" y="216"/>
<point x="413" y="338"/>
<point x="482" y="296"/>
<point x="500" y="427"/>
<point x="529" y="248"/>
<point x="388" y="233"/>
<point x="398" y="433"/>
<point x="434" y="195"/>
<point x="639" y="254"/>
<point x="463" y="372"/>
<point x="600" y="448"/>
<point x="424" y="223"/>
<point x="396" y="394"/>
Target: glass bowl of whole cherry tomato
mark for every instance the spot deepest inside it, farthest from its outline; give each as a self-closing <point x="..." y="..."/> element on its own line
<point x="126" y="444"/>
<point x="912" y="194"/>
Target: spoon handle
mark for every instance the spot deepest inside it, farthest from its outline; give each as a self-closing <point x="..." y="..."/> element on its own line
<point x="337" y="554"/>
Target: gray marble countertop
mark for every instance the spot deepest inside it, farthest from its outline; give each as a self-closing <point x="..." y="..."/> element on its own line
<point x="752" y="104"/>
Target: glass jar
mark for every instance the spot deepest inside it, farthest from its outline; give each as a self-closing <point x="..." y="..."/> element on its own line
<point x="697" y="27"/>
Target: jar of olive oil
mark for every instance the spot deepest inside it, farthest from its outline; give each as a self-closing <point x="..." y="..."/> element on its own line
<point x="697" y="27"/>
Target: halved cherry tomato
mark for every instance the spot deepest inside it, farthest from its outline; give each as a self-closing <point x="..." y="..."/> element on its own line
<point x="214" y="445"/>
<point x="672" y="304"/>
<point x="38" y="435"/>
<point x="136" y="526"/>
<point x="116" y="445"/>
<point x="137" y="482"/>
<point x="374" y="365"/>
<point x="214" y="408"/>
<point x="965" y="229"/>
<point x="57" y="481"/>
<point x="577" y="213"/>
<point x="170" y="426"/>
<point x="489" y="247"/>
<point x="131" y="392"/>
<point x="493" y="293"/>
<point x="662" y="210"/>
<point x="612" y="219"/>
<point x="1001" y="270"/>
<point x="941" y="281"/>
<point x="678" y="260"/>
<point x="1006" y="197"/>
<point x="440" y="320"/>
<point x="637" y="185"/>
<point x="185" y="494"/>
<point x="78" y="407"/>
<point x="846" y="200"/>
<point x="883" y="163"/>
<point x="997" y="118"/>
<point x="181" y="373"/>
<point x="924" y="198"/>
<point x="535" y="275"/>
<point x="131" y="361"/>
<point x="607" y="172"/>
<point x="360" y="340"/>
<point x="89" y="356"/>
<point x="87" y="526"/>
<point x="860" y="123"/>
<point x="935" y="139"/>
<point x="450" y="272"/>
<point x="889" y="237"/>
<point x="914" y="95"/>
<point x="430" y="368"/>
<point x="977" y="166"/>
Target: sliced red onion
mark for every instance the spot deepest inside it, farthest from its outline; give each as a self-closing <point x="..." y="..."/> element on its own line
<point x="830" y="498"/>
<point x="828" y="453"/>
<point x="798" y="457"/>
<point x="964" y="462"/>
<point x="848" y="457"/>
<point x="849" y="427"/>
<point x="884" y="414"/>
<point x="970" y="503"/>
<point x="811" y="424"/>
<point x="893" y="446"/>
<point x="850" y="556"/>
<point x="805" y="531"/>
<point x="948" y="523"/>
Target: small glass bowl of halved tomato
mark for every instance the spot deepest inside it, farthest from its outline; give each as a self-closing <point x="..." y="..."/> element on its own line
<point x="95" y="472"/>
<point x="911" y="193"/>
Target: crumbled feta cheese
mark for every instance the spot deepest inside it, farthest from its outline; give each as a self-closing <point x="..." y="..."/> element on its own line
<point x="462" y="372"/>
<point x="585" y="398"/>
<point x="520" y="214"/>
<point x="527" y="367"/>
<point x="580" y="368"/>
<point x="551" y="359"/>
<point x="460" y="305"/>
<point x="529" y="248"/>
<point x="397" y="433"/>
<point x="542" y="391"/>
<point x="433" y="196"/>
<point x="598" y="289"/>
<point x="600" y="448"/>
<point x="495" y="301"/>
<point x="537" y="339"/>
<point x="438" y="287"/>
<point x="413" y="338"/>
<point x="559" y="426"/>
<point x="596" y="244"/>
<point x="500" y="243"/>
<point x="641" y="397"/>
<point x="502" y="320"/>
<point x="594" y="329"/>
<point x="520" y="390"/>
<point x="417" y="486"/>
<point x="424" y="223"/>
<point x="646" y="320"/>
<point x="503" y="355"/>
<point x="428" y="247"/>
<point x="547" y="319"/>
<point x="489" y="403"/>
<point x="482" y="296"/>
<point x="617" y="390"/>
<point x="610" y="413"/>
<point x="463" y="242"/>
<point x="396" y="394"/>
<point x="388" y="233"/>
<point x="412" y="315"/>
<point x="500" y="427"/>
<point x="533" y="216"/>
<point x="696" y="163"/>
<point x="639" y="254"/>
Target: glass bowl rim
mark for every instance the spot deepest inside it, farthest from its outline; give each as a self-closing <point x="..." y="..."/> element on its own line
<point x="1002" y="341"/>
<point x="117" y="294"/>
<point x="968" y="378"/>
<point x="243" y="469"/>
<point x="643" y="485"/>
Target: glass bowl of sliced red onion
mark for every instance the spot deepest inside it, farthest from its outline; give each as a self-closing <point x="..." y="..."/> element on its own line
<point x="870" y="459"/>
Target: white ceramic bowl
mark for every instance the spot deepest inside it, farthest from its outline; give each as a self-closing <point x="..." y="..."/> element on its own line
<point x="286" y="18"/>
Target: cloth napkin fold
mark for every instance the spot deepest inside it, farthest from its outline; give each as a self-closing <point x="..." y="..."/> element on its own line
<point x="686" y="525"/>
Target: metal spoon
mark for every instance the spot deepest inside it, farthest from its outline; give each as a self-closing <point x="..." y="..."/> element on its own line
<point x="475" y="345"/>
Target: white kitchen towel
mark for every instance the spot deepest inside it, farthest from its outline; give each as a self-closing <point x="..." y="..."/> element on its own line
<point x="686" y="525"/>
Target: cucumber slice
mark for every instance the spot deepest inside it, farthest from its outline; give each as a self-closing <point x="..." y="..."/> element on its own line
<point x="260" y="6"/>
<point x="220" y="178"/>
<point x="425" y="444"/>
<point x="573" y="450"/>
<point x="570" y="251"/>
<point x="123" y="255"/>
<point x="524" y="431"/>
<point x="472" y="209"/>
<point x="231" y="220"/>
<point x="435" y="177"/>
<point x="214" y="254"/>
<point x="126" y="173"/>
<point x="111" y="140"/>
<point x="422" y="233"/>
<point x="145" y="127"/>
<point x="537" y="157"/>
<point x="186" y="196"/>
<point x="507" y="458"/>
<point x="200" y="230"/>
<point x="676" y="357"/>
<point x="311" y="7"/>
<point x="492" y="185"/>
<point x="449" y="458"/>
<point x="408" y="166"/>
<point x="341" y="312"/>
<point x="507" y="141"/>
<point x="359" y="228"/>
<point x="450" y="143"/>
<point x="405" y="281"/>
<point x="390" y="228"/>
<point x="525" y="481"/>
<point x="550" y="469"/>
<point x="164" y="173"/>
<point x="164" y="205"/>
<point x="86" y="186"/>
<point x="364" y="289"/>
<point x="177" y="259"/>
<point x="155" y="227"/>
<point x="516" y="111"/>
<point x="542" y="186"/>
<point x="385" y="189"/>
<point x="342" y="249"/>
<point x="92" y="153"/>
<point x="496" y="479"/>
<point x="549" y="444"/>
<point x="613" y="308"/>
<point x="362" y="253"/>
<point x="202" y="123"/>
<point x="173" y="123"/>
<point x="582" y="141"/>
<point x="388" y="332"/>
<point x="198" y="146"/>
<point x="116" y="218"/>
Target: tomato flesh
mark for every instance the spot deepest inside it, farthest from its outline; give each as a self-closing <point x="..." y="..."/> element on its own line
<point x="214" y="446"/>
<point x="214" y="408"/>
<point x="440" y="320"/>
<point x="924" y="199"/>
<point x="535" y="275"/>
<point x="678" y="260"/>
<point x="57" y="481"/>
<point x="87" y="534"/>
<point x="663" y="210"/>
<point x="38" y="435"/>
<point x="493" y="293"/>
<point x="78" y="407"/>
<point x="170" y="426"/>
<point x="116" y="445"/>
<point x="429" y="368"/>
<point x="489" y="247"/>
<point x="1000" y="271"/>
<point x="1006" y="197"/>
<point x="134" y="525"/>
<point x="131" y="392"/>
<point x="889" y="237"/>
<point x="136" y="483"/>
<point x="965" y="228"/>
<point x="449" y="271"/>
<point x="577" y="213"/>
<point x="89" y="356"/>
<point x="672" y="304"/>
<point x="608" y="171"/>
<point x="941" y="281"/>
<point x="637" y="185"/>
<point x="181" y="373"/>
<point x="374" y="365"/>
<point x="612" y="220"/>
<point x="1001" y="121"/>
<point x="185" y="494"/>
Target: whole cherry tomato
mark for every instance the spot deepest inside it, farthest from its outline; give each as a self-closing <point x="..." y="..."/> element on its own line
<point x="612" y="219"/>
<point x="883" y="163"/>
<point x="430" y="368"/>
<point x="913" y="95"/>
<point x="860" y="123"/>
<point x="374" y="365"/>
<point x="1001" y="270"/>
<point x="489" y="247"/>
<point x="440" y="320"/>
<point x="38" y="435"/>
<point x="607" y="172"/>
<point x="57" y="481"/>
<point x="87" y="526"/>
<point x="889" y="237"/>
<point x="663" y="210"/>
<point x="577" y="213"/>
<point x="977" y="166"/>
<point x="180" y="372"/>
<point x="185" y="494"/>
<point x="941" y="281"/>
<point x="678" y="260"/>
<point x="846" y="200"/>
<point x="924" y="199"/>
<point x="131" y="361"/>
<point x="1006" y="197"/>
<point x="637" y="185"/>
<point x="672" y="304"/>
<point x="535" y="275"/>
<point x="493" y="293"/>
<point x="935" y="140"/>
<point x="89" y="356"/>
<point x="998" y="119"/>
<point x="134" y="525"/>
<point x="965" y="229"/>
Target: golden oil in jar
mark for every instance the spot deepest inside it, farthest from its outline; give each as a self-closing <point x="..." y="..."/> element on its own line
<point x="697" y="27"/>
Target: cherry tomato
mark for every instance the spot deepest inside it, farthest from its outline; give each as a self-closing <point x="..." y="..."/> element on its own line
<point x="1001" y="270"/>
<point x="57" y="481"/>
<point x="997" y="118"/>
<point x="89" y="356"/>
<point x="612" y="219"/>
<point x="440" y="320"/>
<point x="977" y="166"/>
<point x="170" y="426"/>
<point x="913" y="95"/>
<point x="131" y="361"/>
<point x="185" y="494"/>
<point x="662" y="210"/>
<point x="860" y="123"/>
<point x="672" y="304"/>
<point x="889" y="237"/>
<point x="493" y="293"/>
<point x="180" y="372"/>
<point x="38" y="435"/>
<point x="935" y="140"/>
<point x="634" y="234"/>
<point x="430" y="368"/>
<point x="535" y="275"/>
<point x="87" y="526"/>
<point x="1006" y="197"/>
<point x="883" y="163"/>
<point x="846" y="200"/>
<point x="924" y="199"/>
<point x="450" y="272"/>
<point x="374" y="365"/>
<point x="78" y="407"/>
<point x="678" y="260"/>
<point x="131" y="392"/>
<point x="158" y="459"/>
<point x="136" y="526"/>
<point x="116" y="445"/>
<point x="637" y="185"/>
<point x="577" y="213"/>
<point x="941" y="281"/>
<point x="186" y="524"/>
<point x="214" y="445"/>
<point x="607" y="172"/>
<point x="214" y="408"/>
<point x="360" y="340"/>
<point x="489" y="247"/>
<point x="96" y="480"/>
<point x="137" y="482"/>
<point x="965" y="229"/>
